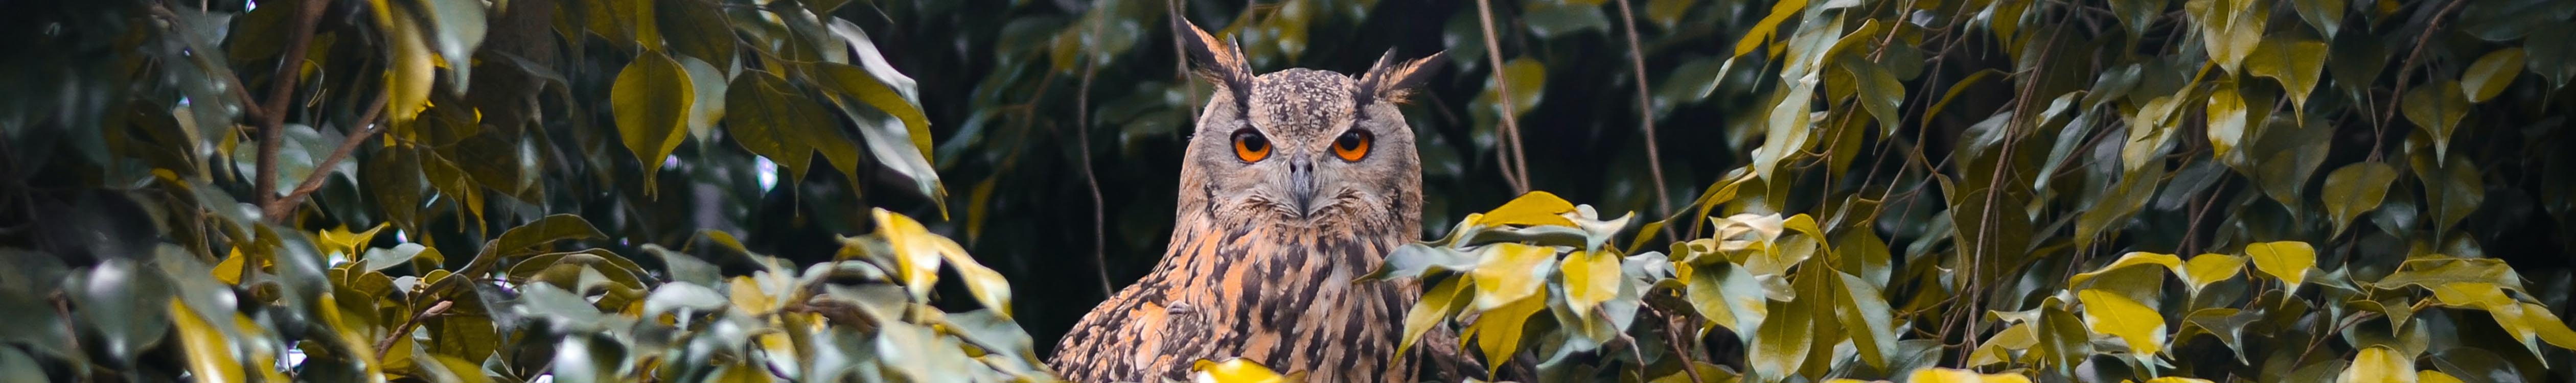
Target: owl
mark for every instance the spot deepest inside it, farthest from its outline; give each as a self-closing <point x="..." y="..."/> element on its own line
<point x="1294" y="184"/>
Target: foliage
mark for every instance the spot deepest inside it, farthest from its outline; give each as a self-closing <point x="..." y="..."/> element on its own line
<point x="2098" y="190"/>
<point x="463" y="191"/>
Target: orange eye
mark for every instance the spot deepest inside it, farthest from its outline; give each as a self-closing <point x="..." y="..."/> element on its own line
<point x="1250" y="146"/>
<point x="1353" y="145"/>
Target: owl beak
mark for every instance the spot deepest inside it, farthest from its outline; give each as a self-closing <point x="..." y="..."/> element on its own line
<point x="1301" y="185"/>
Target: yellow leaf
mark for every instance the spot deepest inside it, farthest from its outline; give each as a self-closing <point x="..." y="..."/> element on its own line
<point x="1498" y="332"/>
<point x="2379" y="364"/>
<point x="1435" y="306"/>
<point x="2134" y="258"/>
<point x="1233" y="370"/>
<point x="1769" y="25"/>
<point x="1508" y="273"/>
<point x="1945" y="375"/>
<point x="230" y="270"/>
<point x="210" y="353"/>
<point x="2547" y="326"/>
<point x="2177" y="379"/>
<point x="1533" y="209"/>
<point x="2480" y="295"/>
<point x="2287" y="260"/>
<point x="747" y="296"/>
<point x="2430" y="376"/>
<point x="2205" y="269"/>
<point x="1995" y="350"/>
<point x="2111" y="313"/>
<point x="916" y="252"/>
<point x="1591" y="277"/>
<point x="340" y="240"/>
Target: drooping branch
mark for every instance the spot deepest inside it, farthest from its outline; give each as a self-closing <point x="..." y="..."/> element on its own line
<point x="1646" y="122"/>
<point x="281" y="91"/>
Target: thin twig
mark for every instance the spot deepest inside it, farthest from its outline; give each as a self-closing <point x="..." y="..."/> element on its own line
<point x="1646" y="122"/>
<point x="2430" y="25"/>
<point x="367" y="128"/>
<point x="1082" y="144"/>
<point x="1515" y="163"/>
<point x="282" y="90"/>
<point x="405" y="330"/>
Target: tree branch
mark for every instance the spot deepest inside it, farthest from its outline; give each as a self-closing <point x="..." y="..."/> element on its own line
<point x="1515" y="165"/>
<point x="2430" y="25"/>
<point x="282" y="90"/>
<point x="1646" y="122"/>
<point x="367" y="128"/>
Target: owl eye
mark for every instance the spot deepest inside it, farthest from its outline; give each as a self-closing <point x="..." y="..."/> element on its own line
<point x="1250" y="146"/>
<point x="1353" y="145"/>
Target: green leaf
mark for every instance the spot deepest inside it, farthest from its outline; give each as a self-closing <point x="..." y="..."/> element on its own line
<point x="2063" y="342"/>
<point x="1867" y="319"/>
<point x="774" y="120"/>
<point x="2379" y="364"/>
<point x="2149" y="130"/>
<point x="2116" y="207"/>
<point x="2138" y="15"/>
<point x="651" y="101"/>
<point x="1880" y="93"/>
<point x="526" y="238"/>
<point x="2230" y="29"/>
<point x="2294" y="62"/>
<point x="2117" y="315"/>
<point x="2228" y="324"/>
<point x="1728" y="296"/>
<point x="2554" y="60"/>
<point x="2355" y="189"/>
<point x="2447" y="270"/>
<point x="2488" y="77"/>
<point x="707" y="104"/>
<point x="697" y="29"/>
<point x="2455" y="190"/>
<point x="459" y="25"/>
<point x="2288" y="261"/>
<point x="2437" y="108"/>
<point x="122" y="303"/>
<point x="1780" y="343"/>
<point x="2325" y="15"/>
<point x="887" y="129"/>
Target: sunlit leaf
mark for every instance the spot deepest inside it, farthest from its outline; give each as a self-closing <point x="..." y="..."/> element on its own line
<point x="2379" y="364"/>
<point x="210" y="352"/>
<point x="1945" y="375"/>
<point x="1770" y="25"/>
<point x="1780" y="344"/>
<point x="1436" y="305"/>
<point x="1591" y="277"/>
<point x="2117" y="315"/>
<point x="2205" y="269"/>
<point x="2134" y="258"/>
<point x="1510" y="272"/>
<point x="1867" y="319"/>
<point x="2288" y="261"/>
<point x="1234" y="370"/>
<point x="1497" y="332"/>
<point x="1531" y="209"/>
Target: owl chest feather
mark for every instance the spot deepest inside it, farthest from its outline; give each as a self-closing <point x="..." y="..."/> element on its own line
<point x="1283" y="298"/>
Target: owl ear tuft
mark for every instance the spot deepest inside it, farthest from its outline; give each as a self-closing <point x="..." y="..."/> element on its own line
<point x="1219" y="60"/>
<point x="1392" y="82"/>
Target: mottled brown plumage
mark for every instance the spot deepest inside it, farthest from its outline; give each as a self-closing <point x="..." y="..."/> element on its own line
<point x="1267" y="242"/>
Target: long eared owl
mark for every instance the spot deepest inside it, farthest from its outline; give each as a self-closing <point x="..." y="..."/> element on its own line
<point x="1294" y="184"/>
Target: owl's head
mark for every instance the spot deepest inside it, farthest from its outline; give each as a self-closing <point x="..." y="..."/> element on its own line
<point x="1301" y="147"/>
